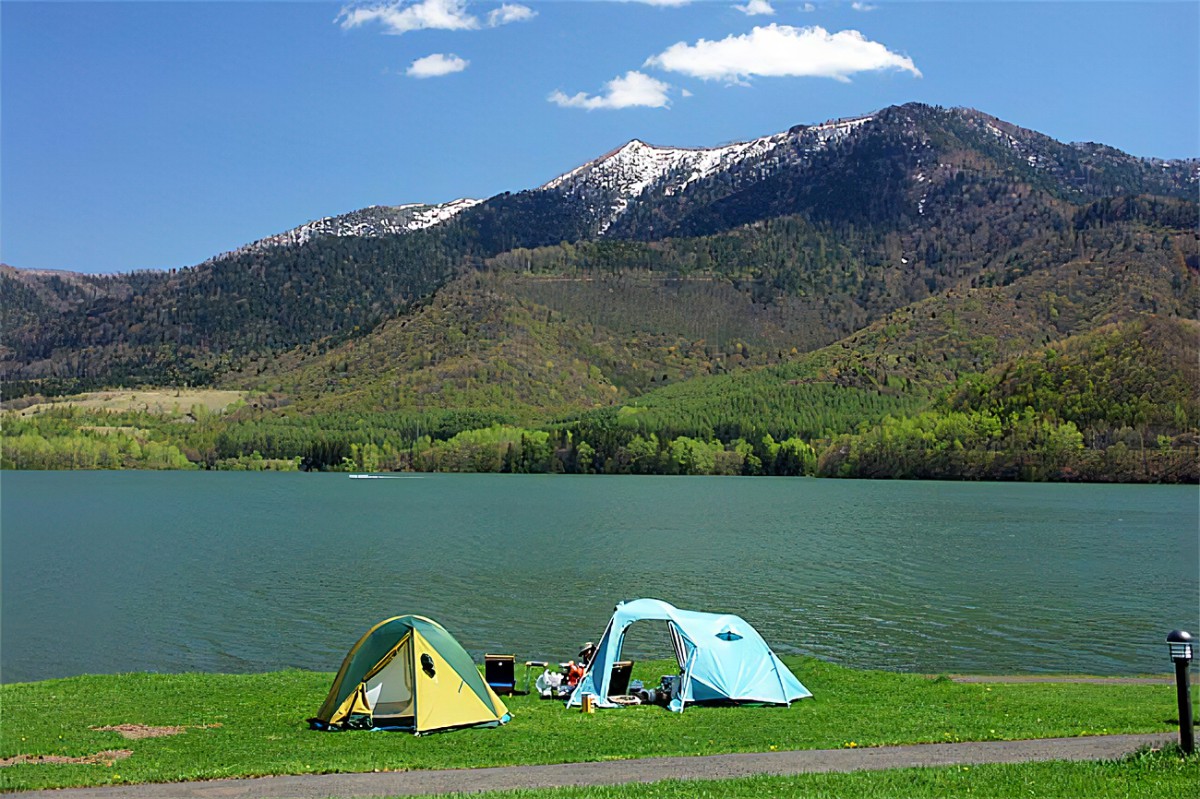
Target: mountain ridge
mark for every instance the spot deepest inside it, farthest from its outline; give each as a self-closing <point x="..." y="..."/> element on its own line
<point x="612" y="181"/>
<point x="370" y="222"/>
<point x="616" y="178"/>
<point x="791" y="241"/>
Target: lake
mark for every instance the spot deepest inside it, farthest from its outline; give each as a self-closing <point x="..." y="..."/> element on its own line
<point x="108" y="572"/>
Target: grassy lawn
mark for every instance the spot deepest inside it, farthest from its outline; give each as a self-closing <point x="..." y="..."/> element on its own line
<point x="243" y="725"/>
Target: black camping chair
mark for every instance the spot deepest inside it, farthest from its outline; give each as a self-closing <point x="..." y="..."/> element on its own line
<point x="499" y="671"/>
<point x="618" y="682"/>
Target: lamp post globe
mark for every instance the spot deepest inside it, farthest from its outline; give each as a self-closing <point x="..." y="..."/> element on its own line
<point x="1180" y="644"/>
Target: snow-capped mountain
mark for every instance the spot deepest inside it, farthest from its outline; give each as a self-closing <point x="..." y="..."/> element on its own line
<point x="609" y="184"/>
<point x="375" y="220"/>
<point x="641" y="190"/>
<point x="867" y="168"/>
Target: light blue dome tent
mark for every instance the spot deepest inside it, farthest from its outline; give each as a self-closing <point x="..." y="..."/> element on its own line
<point x="721" y="659"/>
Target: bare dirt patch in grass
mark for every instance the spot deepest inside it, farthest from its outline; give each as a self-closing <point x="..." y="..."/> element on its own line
<point x="105" y="758"/>
<point x="109" y="756"/>
<point x="136" y="731"/>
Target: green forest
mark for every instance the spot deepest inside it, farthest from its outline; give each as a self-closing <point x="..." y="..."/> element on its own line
<point x="1098" y="407"/>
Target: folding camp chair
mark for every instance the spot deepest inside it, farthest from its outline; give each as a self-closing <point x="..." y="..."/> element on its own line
<point x="531" y="664"/>
<point x="499" y="671"/>
<point x="618" y="683"/>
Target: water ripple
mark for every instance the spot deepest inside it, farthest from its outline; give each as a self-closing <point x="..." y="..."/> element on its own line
<point x="107" y="572"/>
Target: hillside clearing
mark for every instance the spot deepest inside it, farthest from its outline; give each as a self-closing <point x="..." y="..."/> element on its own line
<point x="160" y="402"/>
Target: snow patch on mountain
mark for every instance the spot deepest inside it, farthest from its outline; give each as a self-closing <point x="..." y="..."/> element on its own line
<point x="614" y="180"/>
<point x="431" y="215"/>
<point x="375" y="220"/>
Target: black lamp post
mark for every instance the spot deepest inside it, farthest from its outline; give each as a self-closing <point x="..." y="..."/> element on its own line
<point x="1180" y="644"/>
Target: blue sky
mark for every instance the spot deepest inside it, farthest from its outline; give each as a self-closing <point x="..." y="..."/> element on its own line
<point x="156" y="134"/>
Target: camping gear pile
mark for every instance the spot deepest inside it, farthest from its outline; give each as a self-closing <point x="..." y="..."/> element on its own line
<point x="561" y="684"/>
<point x="408" y="673"/>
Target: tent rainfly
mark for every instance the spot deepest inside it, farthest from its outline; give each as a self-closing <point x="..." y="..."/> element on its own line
<point x="721" y="659"/>
<point x="409" y="673"/>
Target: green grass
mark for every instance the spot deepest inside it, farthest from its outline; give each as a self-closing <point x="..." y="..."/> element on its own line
<point x="245" y="725"/>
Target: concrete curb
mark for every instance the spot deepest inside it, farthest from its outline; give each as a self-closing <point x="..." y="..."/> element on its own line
<point x="616" y="772"/>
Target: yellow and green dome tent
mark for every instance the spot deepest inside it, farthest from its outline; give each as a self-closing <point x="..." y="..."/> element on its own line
<point x="409" y="673"/>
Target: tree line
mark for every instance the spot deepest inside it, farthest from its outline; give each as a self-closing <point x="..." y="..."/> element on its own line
<point x="977" y="445"/>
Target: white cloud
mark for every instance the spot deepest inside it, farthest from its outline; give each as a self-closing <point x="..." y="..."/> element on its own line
<point x="632" y="90"/>
<point x="402" y="16"/>
<point x="755" y="8"/>
<point x="509" y="12"/>
<point x="864" y="7"/>
<point x="781" y="51"/>
<point x="808" y="7"/>
<point x="436" y="65"/>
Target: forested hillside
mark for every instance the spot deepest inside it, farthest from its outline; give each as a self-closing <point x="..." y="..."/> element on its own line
<point x="919" y="293"/>
<point x="1116" y="404"/>
<point x="192" y="325"/>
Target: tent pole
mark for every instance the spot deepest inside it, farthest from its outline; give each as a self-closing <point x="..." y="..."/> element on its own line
<point x="782" y="688"/>
<point x="686" y="682"/>
<point x="591" y="667"/>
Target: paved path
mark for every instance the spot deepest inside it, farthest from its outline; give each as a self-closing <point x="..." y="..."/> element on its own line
<point x="615" y="772"/>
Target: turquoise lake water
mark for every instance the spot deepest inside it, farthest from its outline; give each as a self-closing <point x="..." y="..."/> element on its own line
<point x="109" y="572"/>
